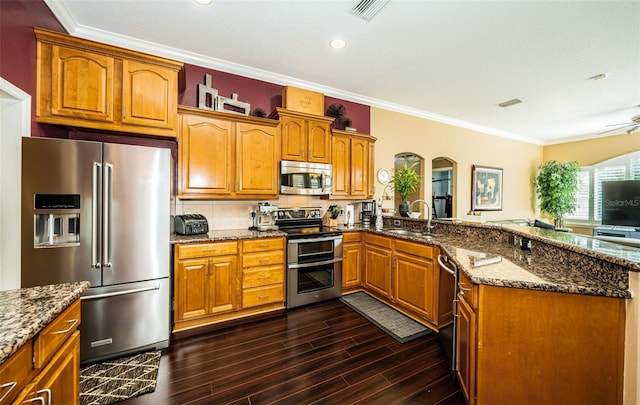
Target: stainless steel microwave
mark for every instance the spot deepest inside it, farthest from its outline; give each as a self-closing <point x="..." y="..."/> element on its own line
<point x="305" y="178"/>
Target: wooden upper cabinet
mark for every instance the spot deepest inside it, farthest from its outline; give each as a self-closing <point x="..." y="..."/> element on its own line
<point x="227" y="156"/>
<point x="352" y="160"/>
<point x="305" y="137"/>
<point x="206" y="149"/>
<point x="148" y="95"/>
<point x="86" y="84"/>
<point x="81" y="85"/>
<point x="257" y="159"/>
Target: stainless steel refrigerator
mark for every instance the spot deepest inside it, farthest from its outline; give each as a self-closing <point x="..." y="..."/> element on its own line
<point x="100" y="212"/>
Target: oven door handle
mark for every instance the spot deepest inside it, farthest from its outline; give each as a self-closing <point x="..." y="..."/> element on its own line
<point x="302" y="265"/>
<point x="322" y="239"/>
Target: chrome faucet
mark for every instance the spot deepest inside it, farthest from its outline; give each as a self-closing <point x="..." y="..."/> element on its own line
<point x="428" y="213"/>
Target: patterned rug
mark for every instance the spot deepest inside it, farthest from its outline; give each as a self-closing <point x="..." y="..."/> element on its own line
<point x="116" y="380"/>
<point x="394" y="323"/>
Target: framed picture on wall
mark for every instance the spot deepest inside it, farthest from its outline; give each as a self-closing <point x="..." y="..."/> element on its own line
<point x="486" y="188"/>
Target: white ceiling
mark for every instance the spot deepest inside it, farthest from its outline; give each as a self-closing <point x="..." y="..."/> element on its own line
<point x="451" y="61"/>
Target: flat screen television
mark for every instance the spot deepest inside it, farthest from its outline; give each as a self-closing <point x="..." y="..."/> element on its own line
<point x="621" y="203"/>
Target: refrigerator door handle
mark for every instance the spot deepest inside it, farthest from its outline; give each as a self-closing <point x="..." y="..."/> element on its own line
<point x="97" y="175"/>
<point x="125" y="292"/>
<point x="106" y="215"/>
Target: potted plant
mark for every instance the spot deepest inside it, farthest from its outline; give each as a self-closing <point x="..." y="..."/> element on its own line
<point x="556" y="187"/>
<point x="405" y="182"/>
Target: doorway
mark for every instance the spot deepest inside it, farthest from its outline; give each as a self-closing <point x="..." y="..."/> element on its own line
<point x="442" y="187"/>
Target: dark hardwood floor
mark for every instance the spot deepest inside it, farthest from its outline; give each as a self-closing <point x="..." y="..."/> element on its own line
<point x="321" y="354"/>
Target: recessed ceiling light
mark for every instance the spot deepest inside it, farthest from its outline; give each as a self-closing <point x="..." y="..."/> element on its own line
<point x="338" y="43"/>
<point x="205" y="2"/>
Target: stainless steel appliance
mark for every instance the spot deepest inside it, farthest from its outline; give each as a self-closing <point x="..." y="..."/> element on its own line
<point x="314" y="257"/>
<point x="101" y="213"/>
<point x="305" y="178"/>
<point x="191" y="224"/>
<point x="267" y="214"/>
<point x="449" y="334"/>
<point x="367" y="215"/>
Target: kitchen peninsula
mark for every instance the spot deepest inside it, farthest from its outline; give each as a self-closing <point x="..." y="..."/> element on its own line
<point x="39" y="343"/>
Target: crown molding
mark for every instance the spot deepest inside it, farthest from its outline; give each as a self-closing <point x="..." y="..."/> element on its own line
<point x="66" y="19"/>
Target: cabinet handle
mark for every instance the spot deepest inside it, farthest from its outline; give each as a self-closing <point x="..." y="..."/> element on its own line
<point x="11" y="385"/>
<point x="263" y="260"/>
<point x="263" y="246"/>
<point x="40" y="399"/>
<point x="263" y="297"/>
<point x="45" y="391"/>
<point x="264" y="277"/>
<point x="73" y="323"/>
<point x="124" y="111"/>
<point x="108" y="109"/>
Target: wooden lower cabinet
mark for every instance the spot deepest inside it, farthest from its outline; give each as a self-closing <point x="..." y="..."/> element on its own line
<point x="406" y="275"/>
<point x="221" y="281"/>
<point x="47" y="368"/>
<point x="351" y="260"/>
<point x="205" y="284"/>
<point x="522" y="346"/>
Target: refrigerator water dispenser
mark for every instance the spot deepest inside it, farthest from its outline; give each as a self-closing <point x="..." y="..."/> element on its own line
<point x="56" y="221"/>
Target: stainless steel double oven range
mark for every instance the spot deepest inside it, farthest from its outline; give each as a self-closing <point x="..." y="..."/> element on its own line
<point x="314" y="256"/>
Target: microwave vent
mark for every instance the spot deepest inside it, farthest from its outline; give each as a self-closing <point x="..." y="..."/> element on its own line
<point x="367" y="9"/>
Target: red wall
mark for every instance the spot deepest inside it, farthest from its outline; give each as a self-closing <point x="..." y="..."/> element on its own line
<point x="18" y="66"/>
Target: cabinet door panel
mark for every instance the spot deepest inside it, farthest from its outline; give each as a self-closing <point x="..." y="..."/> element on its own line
<point x="257" y="159"/>
<point x="191" y="280"/>
<point x="206" y="156"/>
<point x="378" y="274"/>
<point x="294" y="139"/>
<point x="466" y="347"/>
<point x="414" y="287"/>
<point x="359" y="168"/>
<point x="148" y="95"/>
<point x="319" y="142"/>
<point x="351" y="265"/>
<point x="341" y="165"/>
<point x="221" y="284"/>
<point x="62" y="376"/>
<point x="81" y="84"/>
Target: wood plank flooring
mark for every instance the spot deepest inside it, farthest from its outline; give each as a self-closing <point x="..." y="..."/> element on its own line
<point x="321" y="354"/>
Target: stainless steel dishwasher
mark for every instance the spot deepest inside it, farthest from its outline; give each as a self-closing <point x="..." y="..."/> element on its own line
<point x="449" y="334"/>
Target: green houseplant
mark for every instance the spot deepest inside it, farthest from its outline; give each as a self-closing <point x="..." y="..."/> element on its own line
<point x="556" y="187"/>
<point x="405" y="182"/>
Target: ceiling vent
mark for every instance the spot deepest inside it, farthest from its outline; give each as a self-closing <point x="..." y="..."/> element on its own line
<point x="510" y="102"/>
<point x="367" y="9"/>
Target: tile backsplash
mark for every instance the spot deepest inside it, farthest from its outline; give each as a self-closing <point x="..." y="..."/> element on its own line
<point x="235" y="214"/>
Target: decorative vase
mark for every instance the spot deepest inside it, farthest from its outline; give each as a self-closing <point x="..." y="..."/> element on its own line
<point x="403" y="208"/>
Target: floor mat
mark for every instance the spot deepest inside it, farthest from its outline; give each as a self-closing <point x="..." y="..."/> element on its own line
<point x="119" y="379"/>
<point x="399" y="326"/>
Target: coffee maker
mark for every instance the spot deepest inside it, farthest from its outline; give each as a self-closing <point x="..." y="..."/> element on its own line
<point x="267" y="214"/>
<point x="367" y="215"/>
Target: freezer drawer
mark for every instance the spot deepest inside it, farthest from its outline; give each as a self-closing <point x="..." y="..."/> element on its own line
<point x="124" y="318"/>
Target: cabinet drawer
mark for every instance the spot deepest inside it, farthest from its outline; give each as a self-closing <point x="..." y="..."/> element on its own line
<point x="260" y="245"/>
<point x="378" y="240"/>
<point x="263" y="259"/>
<point x="52" y="337"/>
<point x="349" y="237"/>
<point x="416" y="249"/>
<point x="252" y="297"/>
<point x="262" y="276"/>
<point x="14" y="372"/>
<point x="192" y="250"/>
<point x="468" y="290"/>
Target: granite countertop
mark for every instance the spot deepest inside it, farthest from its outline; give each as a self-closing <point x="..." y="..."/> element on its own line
<point x="561" y="262"/>
<point x="227" y="234"/>
<point x="26" y="311"/>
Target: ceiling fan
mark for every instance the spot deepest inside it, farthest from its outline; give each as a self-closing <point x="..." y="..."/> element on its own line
<point x="633" y="125"/>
